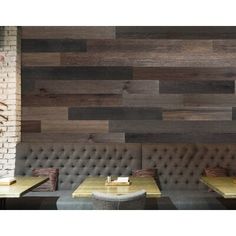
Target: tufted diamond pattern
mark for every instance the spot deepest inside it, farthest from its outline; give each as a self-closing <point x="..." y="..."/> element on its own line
<point x="181" y="165"/>
<point x="76" y="161"/>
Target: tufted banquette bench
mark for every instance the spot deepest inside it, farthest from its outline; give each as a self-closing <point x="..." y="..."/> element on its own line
<point x="179" y="169"/>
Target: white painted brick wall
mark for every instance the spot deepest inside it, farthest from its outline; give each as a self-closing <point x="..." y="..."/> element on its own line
<point x="10" y="94"/>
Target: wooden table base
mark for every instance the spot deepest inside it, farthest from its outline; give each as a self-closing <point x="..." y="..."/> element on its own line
<point x="2" y="203"/>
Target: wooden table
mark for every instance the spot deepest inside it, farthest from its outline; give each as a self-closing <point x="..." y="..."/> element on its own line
<point x="225" y="186"/>
<point x="92" y="184"/>
<point x="18" y="189"/>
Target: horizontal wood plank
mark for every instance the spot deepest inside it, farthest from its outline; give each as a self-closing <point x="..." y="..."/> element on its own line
<point x="30" y="126"/>
<point x="180" y="138"/>
<point x="198" y="114"/>
<point x="176" y="32"/>
<point x="78" y="100"/>
<point x="82" y="126"/>
<point x="112" y="113"/>
<point x="77" y="73"/>
<point x="53" y="45"/>
<point x="41" y="59"/>
<point x="224" y="46"/>
<point x="44" y="113"/>
<point x="200" y="87"/>
<point x="184" y="73"/>
<point x="151" y="126"/>
<point x="95" y="87"/>
<point x="68" y="32"/>
<point x="74" y="137"/>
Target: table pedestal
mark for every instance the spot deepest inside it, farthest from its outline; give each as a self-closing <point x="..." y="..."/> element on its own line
<point x="2" y="203"/>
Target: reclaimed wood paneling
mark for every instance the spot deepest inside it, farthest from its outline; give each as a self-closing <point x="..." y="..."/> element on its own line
<point x="95" y="87"/>
<point x="190" y="87"/>
<point x="73" y="138"/>
<point x="176" y="32"/>
<point x="180" y="138"/>
<point x="53" y="45"/>
<point x="154" y="126"/>
<point x="79" y="100"/>
<point x="44" y="113"/>
<point x="68" y="32"/>
<point x="78" y="73"/>
<point x="112" y="113"/>
<point x="184" y="73"/>
<point x="197" y="114"/>
<point x="129" y="84"/>
<point x="31" y="126"/>
<point x="72" y="126"/>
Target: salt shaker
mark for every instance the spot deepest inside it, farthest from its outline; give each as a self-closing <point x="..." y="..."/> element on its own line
<point x="108" y="179"/>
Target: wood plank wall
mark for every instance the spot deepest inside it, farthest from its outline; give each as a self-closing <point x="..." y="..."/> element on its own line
<point x="129" y="84"/>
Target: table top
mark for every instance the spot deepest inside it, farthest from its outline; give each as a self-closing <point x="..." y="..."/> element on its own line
<point x="225" y="186"/>
<point x="92" y="184"/>
<point x="23" y="185"/>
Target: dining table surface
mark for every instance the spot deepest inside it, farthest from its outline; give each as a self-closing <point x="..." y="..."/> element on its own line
<point x="22" y="185"/>
<point x="225" y="186"/>
<point x="97" y="184"/>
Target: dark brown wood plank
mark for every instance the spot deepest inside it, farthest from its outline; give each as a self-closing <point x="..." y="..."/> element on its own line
<point x="176" y="32"/>
<point x="95" y="87"/>
<point x="198" y="113"/>
<point x="78" y="100"/>
<point x="72" y="137"/>
<point x="184" y="73"/>
<point x="148" y="59"/>
<point x="30" y="126"/>
<point x="224" y="46"/>
<point x="200" y="87"/>
<point x="233" y="113"/>
<point x="212" y="100"/>
<point x="180" y="138"/>
<point x="68" y="32"/>
<point x="152" y="126"/>
<point x="134" y="45"/>
<point x="53" y="45"/>
<point x="77" y="73"/>
<point x="112" y="113"/>
<point x="44" y="113"/>
<point x="72" y="126"/>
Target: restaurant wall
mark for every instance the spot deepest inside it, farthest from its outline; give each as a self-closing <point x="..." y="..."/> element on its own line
<point x="10" y="97"/>
<point x="129" y="84"/>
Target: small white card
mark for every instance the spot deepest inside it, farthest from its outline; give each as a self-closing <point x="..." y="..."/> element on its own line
<point x="122" y="179"/>
<point x="7" y="179"/>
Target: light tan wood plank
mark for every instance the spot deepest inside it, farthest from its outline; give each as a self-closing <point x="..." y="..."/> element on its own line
<point x="44" y="113"/>
<point x="92" y="184"/>
<point x="68" y="32"/>
<point x="74" y="126"/>
<point x="41" y="59"/>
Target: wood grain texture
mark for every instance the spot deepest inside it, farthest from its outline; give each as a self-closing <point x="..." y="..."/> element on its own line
<point x="79" y="100"/>
<point x="176" y="32"/>
<point x="180" y="137"/>
<point x="72" y="126"/>
<point x="78" y="73"/>
<point x="184" y="73"/>
<point x="95" y="87"/>
<point x="129" y="84"/>
<point x="151" y="126"/>
<point x="199" y="87"/>
<point x="44" y="113"/>
<point x="112" y="113"/>
<point x="148" y="59"/>
<point x="53" y="45"/>
<point x="197" y="114"/>
<point x="74" y="137"/>
<point x="31" y="126"/>
<point x="68" y="32"/>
